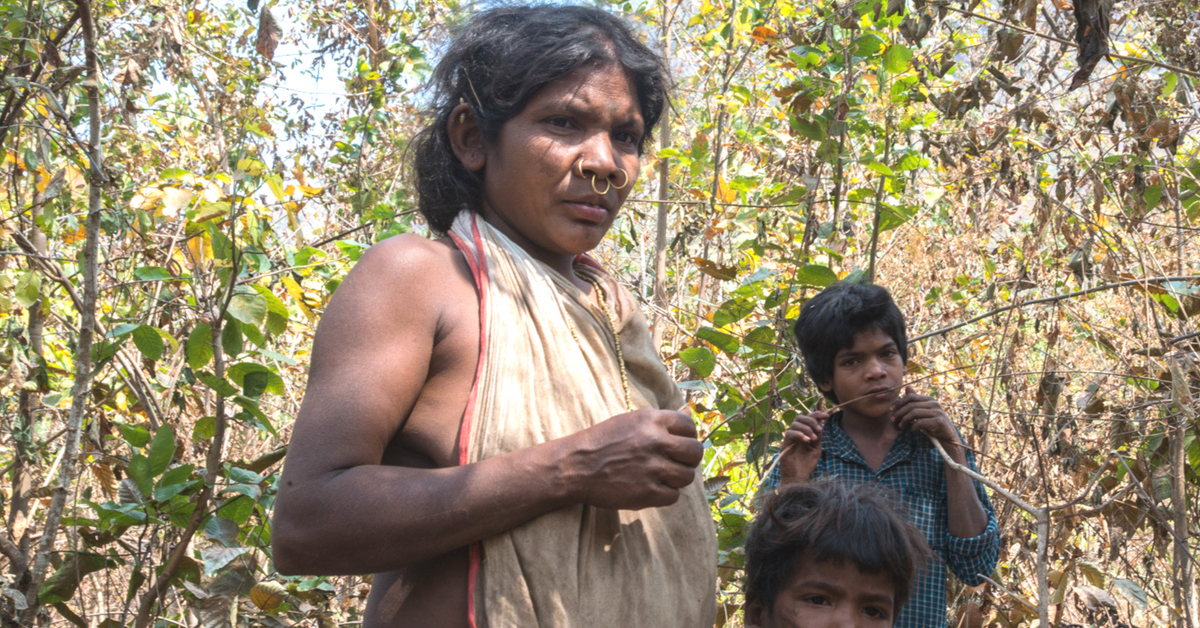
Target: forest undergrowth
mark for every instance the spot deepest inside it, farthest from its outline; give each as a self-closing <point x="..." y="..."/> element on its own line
<point x="1021" y="174"/>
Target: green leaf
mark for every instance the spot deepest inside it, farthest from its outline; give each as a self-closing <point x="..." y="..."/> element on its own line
<point x="151" y="273"/>
<point x="174" y="482"/>
<point x="242" y="371"/>
<point x="868" y="45"/>
<point x="231" y="338"/>
<point x="29" y="288"/>
<point x="139" y="470"/>
<point x="137" y="437"/>
<point x="248" y="307"/>
<point x="220" y="385"/>
<point x="255" y="383"/>
<point x="720" y="340"/>
<point x="896" y="59"/>
<point x="880" y="168"/>
<point x="62" y="585"/>
<point x="732" y="311"/>
<point x="700" y="360"/>
<point x="251" y="406"/>
<point x="179" y="511"/>
<point x="223" y="531"/>
<point x="222" y="246"/>
<point x="237" y="510"/>
<point x="277" y="312"/>
<point x="199" y="346"/>
<point x="276" y="186"/>
<point x="814" y="275"/>
<point x="1153" y="195"/>
<point x="148" y="341"/>
<point x="162" y="449"/>
<point x="812" y="130"/>
<point x="123" y="329"/>
<point x="205" y="428"/>
<point x="178" y="475"/>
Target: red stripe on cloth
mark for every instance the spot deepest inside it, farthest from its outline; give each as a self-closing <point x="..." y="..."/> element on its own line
<point x="479" y="270"/>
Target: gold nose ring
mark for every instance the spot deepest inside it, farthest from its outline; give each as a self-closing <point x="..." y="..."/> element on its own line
<point x="579" y="168"/>
<point x="607" y="186"/>
<point x="626" y="175"/>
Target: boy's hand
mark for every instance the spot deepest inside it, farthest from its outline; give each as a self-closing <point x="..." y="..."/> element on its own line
<point x="801" y="448"/>
<point x="924" y="414"/>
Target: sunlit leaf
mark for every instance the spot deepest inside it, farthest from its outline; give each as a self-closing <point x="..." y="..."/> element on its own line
<point x="162" y="450"/>
<point x="718" y="339"/>
<point x="148" y="341"/>
<point x="699" y="359"/>
<point x="815" y="275"/>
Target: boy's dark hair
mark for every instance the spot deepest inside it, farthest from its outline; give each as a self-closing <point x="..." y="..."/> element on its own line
<point x="830" y="520"/>
<point x="497" y="62"/>
<point x="830" y="320"/>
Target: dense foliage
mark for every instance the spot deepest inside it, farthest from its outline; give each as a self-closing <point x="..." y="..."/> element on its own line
<point x="175" y="214"/>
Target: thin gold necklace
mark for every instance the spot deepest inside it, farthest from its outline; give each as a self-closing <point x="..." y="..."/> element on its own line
<point x="612" y="324"/>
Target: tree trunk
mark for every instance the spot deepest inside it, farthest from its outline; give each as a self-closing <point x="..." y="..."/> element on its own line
<point x="81" y="390"/>
<point x="661" y="308"/>
<point x="1181" y="567"/>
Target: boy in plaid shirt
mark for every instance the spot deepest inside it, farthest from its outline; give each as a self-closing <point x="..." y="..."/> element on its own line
<point x="855" y="349"/>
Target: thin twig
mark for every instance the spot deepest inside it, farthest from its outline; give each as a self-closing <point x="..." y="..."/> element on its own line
<point x="1055" y="298"/>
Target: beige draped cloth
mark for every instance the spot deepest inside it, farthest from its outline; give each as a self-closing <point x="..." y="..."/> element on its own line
<point x="540" y="380"/>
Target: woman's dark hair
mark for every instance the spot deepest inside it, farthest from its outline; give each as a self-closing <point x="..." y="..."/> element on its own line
<point x="831" y="521"/>
<point x="496" y="63"/>
<point x="830" y="320"/>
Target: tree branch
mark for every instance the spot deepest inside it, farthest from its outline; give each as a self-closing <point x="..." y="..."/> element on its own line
<point x="1054" y="299"/>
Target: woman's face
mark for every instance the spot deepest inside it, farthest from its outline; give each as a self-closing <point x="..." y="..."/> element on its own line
<point x="589" y="121"/>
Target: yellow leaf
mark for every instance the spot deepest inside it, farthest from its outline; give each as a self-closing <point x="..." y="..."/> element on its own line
<point x="175" y="199"/>
<point x="71" y="236"/>
<point x="169" y="128"/>
<point x="200" y="247"/>
<point x="268" y="595"/>
<point x="146" y="198"/>
<point x="42" y="110"/>
<point x="310" y="191"/>
<point x="297" y="293"/>
<point x="764" y="33"/>
<point x="74" y="177"/>
<point x="724" y="194"/>
<point x="42" y="178"/>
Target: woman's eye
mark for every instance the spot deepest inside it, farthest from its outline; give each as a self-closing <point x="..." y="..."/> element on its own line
<point x="818" y="600"/>
<point x="627" y="137"/>
<point x="560" y="122"/>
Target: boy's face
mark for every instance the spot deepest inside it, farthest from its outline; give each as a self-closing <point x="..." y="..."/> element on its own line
<point x="868" y="375"/>
<point x="828" y="595"/>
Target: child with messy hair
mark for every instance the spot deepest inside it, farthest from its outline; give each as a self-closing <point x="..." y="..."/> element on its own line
<point x="830" y="554"/>
<point x="855" y="349"/>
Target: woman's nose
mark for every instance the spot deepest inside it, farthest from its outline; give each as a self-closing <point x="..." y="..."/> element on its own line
<point x="598" y="158"/>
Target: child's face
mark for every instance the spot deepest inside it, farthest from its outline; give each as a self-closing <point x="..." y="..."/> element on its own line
<point x="868" y="375"/>
<point x="828" y="595"/>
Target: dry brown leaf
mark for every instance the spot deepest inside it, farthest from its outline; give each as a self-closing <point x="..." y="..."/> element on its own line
<point x="1091" y="34"/>
<point x="269" y="33"/>
<point x="106" y="479"/>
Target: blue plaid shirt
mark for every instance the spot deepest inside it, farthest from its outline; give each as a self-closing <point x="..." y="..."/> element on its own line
<point x="916" y="472"/>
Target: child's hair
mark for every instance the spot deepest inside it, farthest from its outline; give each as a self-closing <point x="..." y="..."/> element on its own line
<point x="830" y="520"/>
<point x="830" y="320"/>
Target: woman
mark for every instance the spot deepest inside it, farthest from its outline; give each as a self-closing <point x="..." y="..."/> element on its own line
<point x="487" y="425"/>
